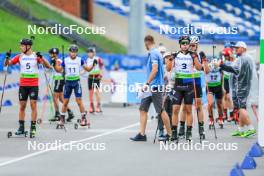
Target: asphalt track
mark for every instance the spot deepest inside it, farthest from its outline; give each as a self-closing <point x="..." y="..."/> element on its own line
<point x="121" y="156"/>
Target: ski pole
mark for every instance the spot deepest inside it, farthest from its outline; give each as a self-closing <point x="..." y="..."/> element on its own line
<point x="5" y="78"/>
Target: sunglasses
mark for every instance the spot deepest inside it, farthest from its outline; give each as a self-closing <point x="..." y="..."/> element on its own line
<point x="192" y="45"/>
<point x="185" y="43"/>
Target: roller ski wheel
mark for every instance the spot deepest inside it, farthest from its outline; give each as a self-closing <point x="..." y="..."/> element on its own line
<point x="32" y="135"/>
<point x="39" y="121"/>
<point x="76" y="126"/>
<point x="79" y="121"/>
<point x="9" y="134"/>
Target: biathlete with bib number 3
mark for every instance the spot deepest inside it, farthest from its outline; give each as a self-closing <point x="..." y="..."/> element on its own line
<point x="72" y="66"/>
<point x="29" y="76"/>
<point x="185" y="60"/>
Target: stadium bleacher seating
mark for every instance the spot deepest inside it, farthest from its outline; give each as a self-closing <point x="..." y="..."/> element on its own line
<point x="243" y="14"/>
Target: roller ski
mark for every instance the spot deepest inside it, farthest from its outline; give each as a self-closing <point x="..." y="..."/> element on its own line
<point x="92" y="109"/>
<point x="39" y="121"/>
<point x="70" y="116"/>
<point x="201" y="131"/>
<point x="189" y="134"/>
<point x="55" y="118"/>
<point x="83" y="122"/>
<point x="19" y="133"/>
<point x="61" y="123"/>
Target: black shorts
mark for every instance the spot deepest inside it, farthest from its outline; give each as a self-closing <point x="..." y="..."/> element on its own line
<point x="28" y="91"/>
<point x="216" y="91"/>
<point x="92" y="82"/>
<point x="58" y="86"/>
<point x="226" y="86"/>
<point x="185" y="92"/>
<point x="199" y="91"/>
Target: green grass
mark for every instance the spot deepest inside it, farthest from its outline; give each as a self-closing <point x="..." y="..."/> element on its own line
<point x="13" y="29"/>
<point x="42" y="12"/>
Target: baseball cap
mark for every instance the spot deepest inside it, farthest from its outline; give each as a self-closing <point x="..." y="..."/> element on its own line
<point x="241" y="44"/>
<point x="167" y="54"/>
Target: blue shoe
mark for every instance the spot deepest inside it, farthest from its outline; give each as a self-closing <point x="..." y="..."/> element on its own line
<point x="139" y="137"/>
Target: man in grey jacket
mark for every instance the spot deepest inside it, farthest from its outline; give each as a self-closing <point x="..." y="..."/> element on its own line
<point x="241" y="90"/>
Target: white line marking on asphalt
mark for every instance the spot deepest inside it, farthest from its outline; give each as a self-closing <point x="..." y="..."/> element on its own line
<point x="65" y="144"/>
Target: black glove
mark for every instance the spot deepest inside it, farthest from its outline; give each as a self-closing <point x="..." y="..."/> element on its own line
<point x="53" y="62"/>
<point x="39" y="54"/>
<point x="202" y="55"/>
<point x="8" y="54"/>
<point x="95" y="62"/>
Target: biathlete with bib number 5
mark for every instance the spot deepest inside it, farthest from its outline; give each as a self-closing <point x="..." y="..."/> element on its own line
<point x="72" y="66"/>
<point x="29" y="76"/>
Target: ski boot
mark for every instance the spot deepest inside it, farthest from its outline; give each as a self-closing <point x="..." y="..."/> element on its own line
<point x="33" y="130"/>
<point x="161" y="135"/>
<point x="201" y="131"/>
<point x="220" y="122"/>
<point x="70" y="116"/>
<point x="20" y="132"/>
<point x="231" y="117"/>
<point x="182" y="132"/>
<point x="98" y="108"/>
<point x="225" y="115"/>
<point x="91" y="108"/>
<point x="236" y="116"/>
<point x="61" y="123"/>
<point x="211" y="123"/>
<point x="56" y="117"/>
<point x="189" y="134"/>
<point x="174" y="136"/>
